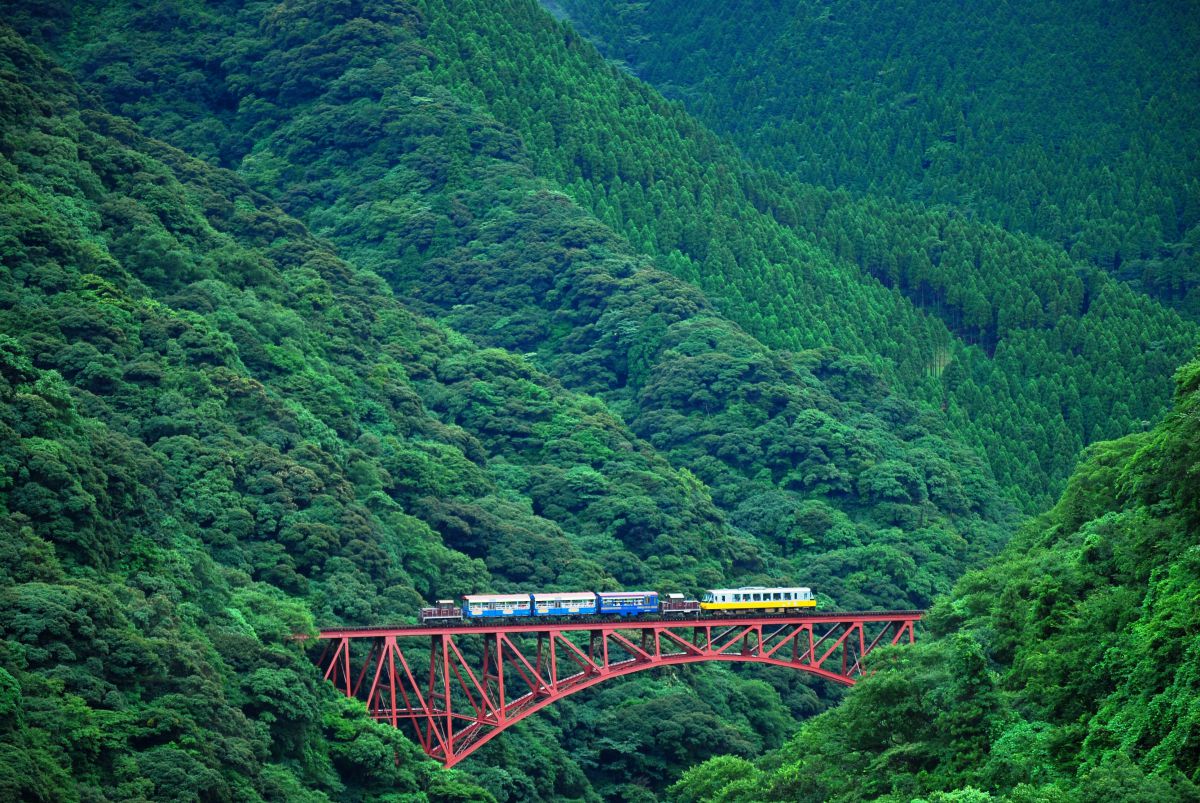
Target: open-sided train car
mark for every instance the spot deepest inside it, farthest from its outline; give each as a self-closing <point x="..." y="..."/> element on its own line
<point x="491" y="606"/>
<point x="564" y="603"/>
<point x="628" y="603"/>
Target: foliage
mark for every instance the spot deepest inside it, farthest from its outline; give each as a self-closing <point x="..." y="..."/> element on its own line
<point x="510" y="261"/>
<point x="1065" y="670"/>
<point x="310" y="311"/>
<point x="1063" y="120"/>
<point x="216" y="433"/>
<point x="1030" y="352"/>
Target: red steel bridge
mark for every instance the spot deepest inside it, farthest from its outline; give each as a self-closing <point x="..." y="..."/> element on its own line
<point x="458" y="686"/>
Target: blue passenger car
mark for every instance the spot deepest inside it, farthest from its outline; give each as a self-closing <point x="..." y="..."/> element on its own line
<point x="489" y="606"/>
<point x="564" y="603"/>
<point x="628" y="603"/>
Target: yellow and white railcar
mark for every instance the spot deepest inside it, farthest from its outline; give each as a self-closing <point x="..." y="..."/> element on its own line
<point x="757" y="598"/>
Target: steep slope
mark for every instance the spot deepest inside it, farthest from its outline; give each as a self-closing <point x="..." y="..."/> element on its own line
<point x="1069" y="120"/>
<point x="797" y="266"/>
<point x="154" y="487"/>
<point x="861" y="493"/>
<point x="1053" y="336"/>
<point x="1068" y="670"/>
<point x="780" y="258"/>
<point x="216" y="432"/>
<point x="302" y="449"/>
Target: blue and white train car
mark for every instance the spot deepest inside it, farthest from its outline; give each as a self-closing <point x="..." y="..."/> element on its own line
<point x="489" y="606"/>
<point x="627" y="603"/>
<point x="564" y="603"/>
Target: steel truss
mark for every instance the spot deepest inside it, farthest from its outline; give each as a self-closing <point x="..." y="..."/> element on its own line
<point x="481" y="679"/>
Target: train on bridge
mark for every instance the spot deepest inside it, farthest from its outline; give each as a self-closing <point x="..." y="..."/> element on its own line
<point x="716" y="602"/>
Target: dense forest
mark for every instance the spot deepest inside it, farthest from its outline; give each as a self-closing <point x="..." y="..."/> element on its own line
<point x="313" y="311"/>
<point x="1022" y="301"/>
<point x="1029" y="355"/>
<point x="1065" y="120"/>
<point x="1067" y="670"/>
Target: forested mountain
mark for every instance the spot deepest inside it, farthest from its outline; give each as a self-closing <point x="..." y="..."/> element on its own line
<point x="1074" y="121"/>
<point x="748" y="239"/>
<point x="220" y="432"/>
<point x="1029" y="355"/>
<point x="1067" y="670"/>
<point x="1026" y="302"/>
<point x="311" y="311"/>
<point x="809" y="452"/>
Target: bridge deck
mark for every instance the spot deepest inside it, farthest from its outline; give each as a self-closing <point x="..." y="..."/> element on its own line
<point x="524" y="623"/>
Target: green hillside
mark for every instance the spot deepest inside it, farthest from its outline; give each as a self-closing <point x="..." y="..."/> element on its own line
<point x="1071" y="121"/>
<point x="1067" y="670"/>
<point x="219" y="433"/>
<point x="313" y="311"/>
<point x="1029" y="354"/>
<point x="810" y="452"/>
<point x="930" y="298"/>
<point x="216" y="433"/>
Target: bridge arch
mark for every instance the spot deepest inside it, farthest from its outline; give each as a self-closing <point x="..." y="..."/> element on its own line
<point x="458" y="687"/>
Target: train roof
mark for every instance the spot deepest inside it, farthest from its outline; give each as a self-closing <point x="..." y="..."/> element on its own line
<point x="625" y="593"/>
<point x="772" y="589"/>
<point x="496" y="597"/>
<point x="564" y="595"/>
